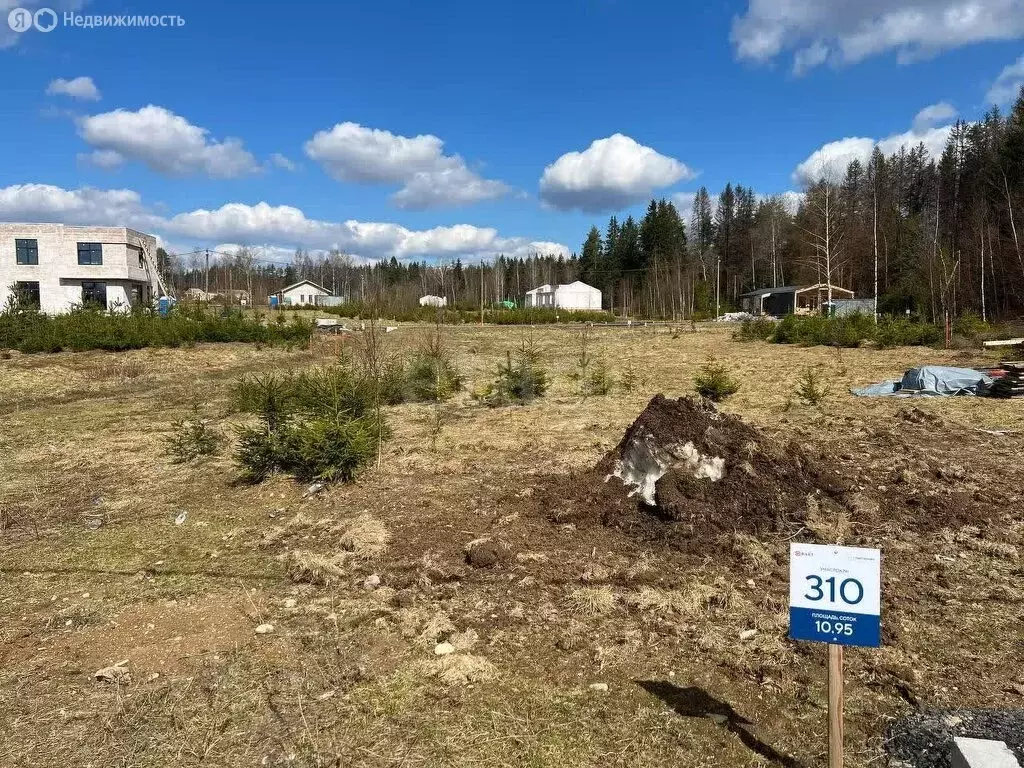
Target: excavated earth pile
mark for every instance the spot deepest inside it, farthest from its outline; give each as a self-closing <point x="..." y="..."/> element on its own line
<point x="705" y="473"/>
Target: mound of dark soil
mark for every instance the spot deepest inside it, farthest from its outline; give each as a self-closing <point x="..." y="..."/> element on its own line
<point x="717" y="473"/>
<point x="702" y="472"/>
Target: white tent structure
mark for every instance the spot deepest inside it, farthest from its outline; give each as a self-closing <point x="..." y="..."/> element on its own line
<point x="573" y="296"/>
<point x="433" y="301"/>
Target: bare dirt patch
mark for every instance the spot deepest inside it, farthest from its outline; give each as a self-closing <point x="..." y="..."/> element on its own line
<point x="165" y="636"/>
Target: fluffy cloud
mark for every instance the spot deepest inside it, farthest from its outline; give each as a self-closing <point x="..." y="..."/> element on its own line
<point x="165" y="142"/>
<point x="817" y="31"/>
<point x="932" y="115"/>
<point x="431" y="179"/>
<point x="81" y="88"/>
<point x="280" y="161"/>
<point x="792" y="199"/>
<point x="831" y="159"/>
<point x="452" y="186"/>
<point x="281" y="226"/>
<point x="1006" y="87"/>
<point x="107" y="159"/>
<point x="609" y="175"/>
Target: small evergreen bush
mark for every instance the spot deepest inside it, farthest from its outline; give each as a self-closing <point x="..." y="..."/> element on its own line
<point x="193" y="437"/>
<point x="714" y="382"/>
<point x="31" y="331"/>
<point x="758" y="329"/>
<point x="519" y="381"/>
<point x="431" y="378"/>
<point x="811" y="390"/>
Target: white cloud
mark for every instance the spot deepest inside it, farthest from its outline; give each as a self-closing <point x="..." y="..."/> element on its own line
<point x="452" y="186"/>
<point x="683" y="202"/>
<point x="280" y="161"/>
<point x="107" y="159"/>
<point x="280" y="226"/>
<point x="832" y="158"/>
<point x="934" y="114"/>
<point x="846" y="32"/>
<point x="431" y="179"/>
<point x="43" y="202"/>
<point x="1008" y="84"/>
<point x="81" y="88"/>
<point x="166" y="142"/>
<point x="791" y="200"/>
<point x="609" y="175"/>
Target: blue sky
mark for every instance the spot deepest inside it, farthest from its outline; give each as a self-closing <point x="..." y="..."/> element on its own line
<point x="444" y="129"/>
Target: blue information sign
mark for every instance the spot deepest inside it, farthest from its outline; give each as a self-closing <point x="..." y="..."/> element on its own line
<point x="835" y="594"/>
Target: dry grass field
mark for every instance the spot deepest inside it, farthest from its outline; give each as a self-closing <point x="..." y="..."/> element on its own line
<point x="95" y="571"/>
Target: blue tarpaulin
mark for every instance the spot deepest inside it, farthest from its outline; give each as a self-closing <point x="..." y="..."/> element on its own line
<point x="930" y="381"/>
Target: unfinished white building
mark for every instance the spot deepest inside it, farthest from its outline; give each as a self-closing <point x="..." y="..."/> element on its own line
<point x="573" y="296"/>
<point x="57" y="267"/>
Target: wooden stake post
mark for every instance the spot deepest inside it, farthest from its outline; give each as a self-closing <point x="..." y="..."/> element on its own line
<point x="835" y="598"/>
<point x="835" y="706"/>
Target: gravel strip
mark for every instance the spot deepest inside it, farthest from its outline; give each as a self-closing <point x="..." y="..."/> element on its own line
<point x="924" y="739"/>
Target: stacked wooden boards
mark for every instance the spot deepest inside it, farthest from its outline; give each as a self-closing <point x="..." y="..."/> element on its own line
<point x="1010" y="385"/>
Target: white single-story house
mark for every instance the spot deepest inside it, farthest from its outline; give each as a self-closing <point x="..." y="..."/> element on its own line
<point x="574" y="296"/>
<point x="56" y="267"/>
<point x="302" y="293"/>
<point x="433" y="301"/>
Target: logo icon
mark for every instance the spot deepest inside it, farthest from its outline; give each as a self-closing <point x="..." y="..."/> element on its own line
<point x="45" y="19"/>
<point x="19" y="19"/>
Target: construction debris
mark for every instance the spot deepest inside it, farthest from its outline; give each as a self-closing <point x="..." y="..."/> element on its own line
<point x="1011" y="384"/>
<point x="930" y="381"/>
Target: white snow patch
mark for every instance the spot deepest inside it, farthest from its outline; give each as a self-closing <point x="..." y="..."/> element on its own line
<point x="644" y="462"/>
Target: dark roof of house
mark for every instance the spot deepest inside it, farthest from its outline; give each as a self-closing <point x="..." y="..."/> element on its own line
<point x="790" y="289"/>
<point x="769" y="291"/>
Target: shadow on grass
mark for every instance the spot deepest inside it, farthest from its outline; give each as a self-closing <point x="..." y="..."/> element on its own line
<point x="696" y="702"/>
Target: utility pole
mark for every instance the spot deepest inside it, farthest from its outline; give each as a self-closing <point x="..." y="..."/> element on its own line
<point x="481" y="293"/>
<point x="207" y="289"/>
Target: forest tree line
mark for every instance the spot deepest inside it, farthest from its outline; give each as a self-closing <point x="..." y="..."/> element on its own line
<point x="933" y="235"/>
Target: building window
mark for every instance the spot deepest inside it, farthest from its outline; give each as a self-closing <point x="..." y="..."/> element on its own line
<point x="27" y="294"/>
<point x="26" y="252"/>
<point x="90" y="254"/>
<point x="94" y="295"/>
<point x="142" y="261"/>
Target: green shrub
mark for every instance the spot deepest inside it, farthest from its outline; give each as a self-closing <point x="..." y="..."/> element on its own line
<point x="83" y="329"/>
<point x="900" y="332"/>
<point x="714" y="382"/>
<point x="320" y="424"/>
<point x="970" y="326"/>
<point x="271" y="397"/>
<point x="329" y="451"/>
<point x="519" y="381"/>
<point x="758" y="329"/>
<point x="193" y="437"/>
<point x="468" y="314"/>
<point x="431" y="378"/>
<point x="258" y="453"/>
<point x="597" y="381"/>
<point x="630" y="378"/>
<point x="854" y="330"/>
<point x="811" y="390"/>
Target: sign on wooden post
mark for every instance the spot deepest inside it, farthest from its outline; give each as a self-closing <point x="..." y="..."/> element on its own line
<point x="835" y="598"/>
